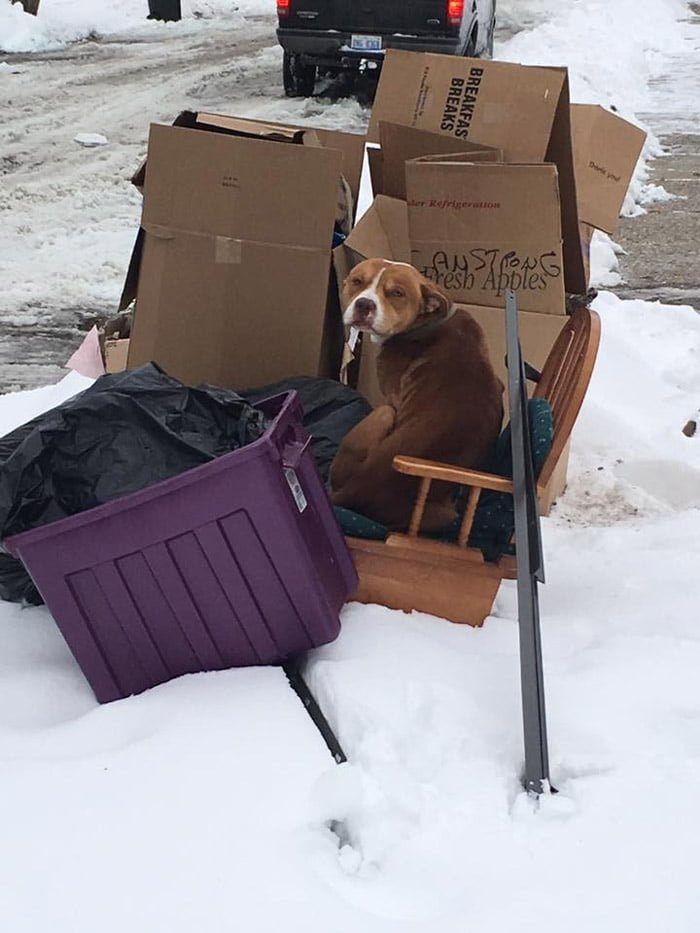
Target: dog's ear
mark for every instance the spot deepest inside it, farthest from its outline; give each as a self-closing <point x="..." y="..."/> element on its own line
<point x="435" y="301"/>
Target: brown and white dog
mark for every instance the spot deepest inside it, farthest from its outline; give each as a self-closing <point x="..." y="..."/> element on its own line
<point x="443" y="400"/>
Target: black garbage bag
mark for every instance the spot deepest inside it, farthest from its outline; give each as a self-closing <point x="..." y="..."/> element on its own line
<point x="330" y="411"/>
<point x="126" y="432"/>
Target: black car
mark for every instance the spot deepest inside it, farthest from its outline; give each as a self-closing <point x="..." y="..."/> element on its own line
<point x="331" y="36"/>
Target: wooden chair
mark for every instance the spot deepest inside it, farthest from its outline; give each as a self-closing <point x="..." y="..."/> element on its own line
<point x="452" y="580"/>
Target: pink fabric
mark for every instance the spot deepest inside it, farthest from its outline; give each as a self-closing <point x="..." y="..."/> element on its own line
<point x="87" y="359"/>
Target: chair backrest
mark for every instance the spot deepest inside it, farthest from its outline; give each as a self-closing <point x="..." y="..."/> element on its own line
<point x="565" y="379"/>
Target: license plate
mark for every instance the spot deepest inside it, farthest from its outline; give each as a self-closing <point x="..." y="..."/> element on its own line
<point x="366" y="43"/>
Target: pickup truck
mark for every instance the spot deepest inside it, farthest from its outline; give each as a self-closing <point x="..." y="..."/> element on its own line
<point x="331" y="36"/>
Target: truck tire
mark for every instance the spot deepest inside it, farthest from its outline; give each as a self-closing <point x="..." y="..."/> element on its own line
<point x="299" y="79"/>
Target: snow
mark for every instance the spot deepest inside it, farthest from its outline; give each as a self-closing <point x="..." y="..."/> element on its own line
<point x="61" y="22"/>
<point x="204" y="804"/>
<point x="611" y="63"/>
<point x="90" y="140"/>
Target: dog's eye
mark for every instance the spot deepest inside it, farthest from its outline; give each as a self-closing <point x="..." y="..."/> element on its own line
<point x="356" y="280"/>
<point x="397" y="293"/>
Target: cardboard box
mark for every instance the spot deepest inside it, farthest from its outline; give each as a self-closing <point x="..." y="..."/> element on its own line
<point x="400" y="144"/>
<point x="606" y="150"/>
<point x="479" y="228"/>
<point x="523" y="110"/>
<point x="233" y="258"/>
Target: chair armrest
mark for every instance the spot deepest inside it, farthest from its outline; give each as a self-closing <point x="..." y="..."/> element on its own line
<point x="431" y="469"/>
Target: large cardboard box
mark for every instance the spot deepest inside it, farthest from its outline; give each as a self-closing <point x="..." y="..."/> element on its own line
<point x="477" y="229"/>
<point x="606" y="150"/>
<point x="232" y="262"/>
<point x="523" y="110"/>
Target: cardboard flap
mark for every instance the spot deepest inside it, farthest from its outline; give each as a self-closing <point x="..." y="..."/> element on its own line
<point x="480" y="155"/>
<point x="236" y="187"/>
<point x="350" y="145"/>
<point x="401" y="143"/>
<point x="483" y="202"/>
<point x="507" y="106"/>
<point x="239" y="126"/>
<point x="606" y="151"/>
<point x="375" y="158"/>
<point x="382" y="232"/>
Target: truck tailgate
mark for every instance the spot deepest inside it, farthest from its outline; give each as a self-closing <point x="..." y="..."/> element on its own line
<point x="376" y="17"/>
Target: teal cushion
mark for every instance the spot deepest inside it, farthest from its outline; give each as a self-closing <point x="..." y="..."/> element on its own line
<point x="541" y="435"/>
<point x="494" y="520"/>
<point x="359" y="526"/>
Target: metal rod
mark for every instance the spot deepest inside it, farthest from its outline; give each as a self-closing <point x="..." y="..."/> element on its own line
<point x="528" y="546"/>
<point x="292" y="668"/>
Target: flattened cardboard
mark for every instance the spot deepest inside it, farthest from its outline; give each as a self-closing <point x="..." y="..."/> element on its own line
<point x="606" y="151"/>
<point x="400" y="144"/>
<point x="523" y="110"/>
<point x="234" y="275"/>
<point x="116" y="354"/>
<point x="477" y="229"/>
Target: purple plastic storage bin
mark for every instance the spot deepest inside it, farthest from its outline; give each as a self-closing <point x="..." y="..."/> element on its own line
<point x="236" y="562"/>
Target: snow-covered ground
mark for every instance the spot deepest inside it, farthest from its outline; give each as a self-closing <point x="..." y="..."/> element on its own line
<point x="203" y="805"/>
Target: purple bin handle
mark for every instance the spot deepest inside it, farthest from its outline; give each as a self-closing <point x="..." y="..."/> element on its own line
<point x="293" y="452"/>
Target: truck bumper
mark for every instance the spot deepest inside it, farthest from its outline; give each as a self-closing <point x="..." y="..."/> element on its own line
<point x="333" y="48"/>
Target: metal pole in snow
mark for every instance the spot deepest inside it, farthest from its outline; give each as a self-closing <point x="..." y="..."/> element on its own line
<point x="528" y="545"/>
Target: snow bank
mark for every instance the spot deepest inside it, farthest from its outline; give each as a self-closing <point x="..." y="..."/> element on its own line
<point x="612" y="51"/>
<point x="610" y="48"/>
<point x="61" y="22"/>
<point x="19" y="407"/>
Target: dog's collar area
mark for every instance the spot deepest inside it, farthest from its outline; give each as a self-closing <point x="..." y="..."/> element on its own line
<point x="417" y="333"/>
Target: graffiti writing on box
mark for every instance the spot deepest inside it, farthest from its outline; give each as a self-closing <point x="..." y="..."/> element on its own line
<point x="493" y="270"/>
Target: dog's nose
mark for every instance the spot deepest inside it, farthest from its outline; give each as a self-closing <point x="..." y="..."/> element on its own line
<point x="364" y="307"/>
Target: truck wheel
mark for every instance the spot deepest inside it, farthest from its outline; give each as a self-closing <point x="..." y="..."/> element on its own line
<point x="299" y="79"/>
